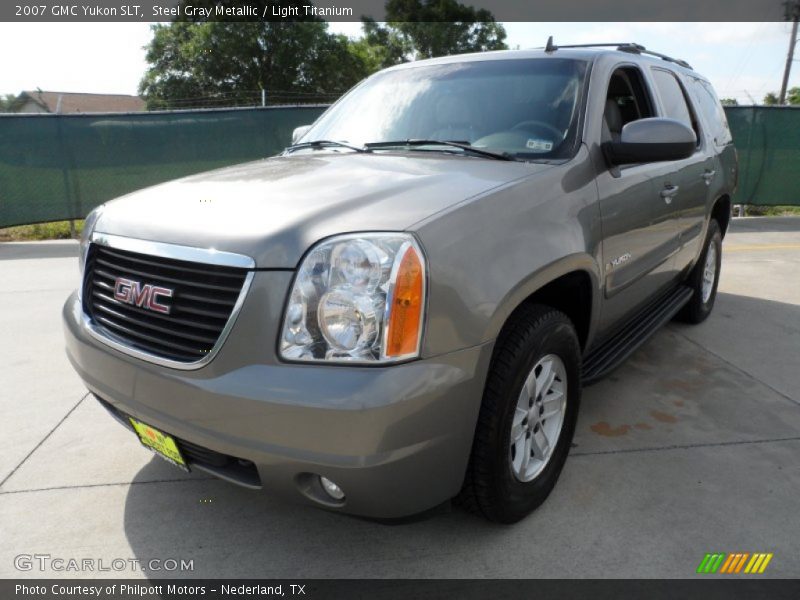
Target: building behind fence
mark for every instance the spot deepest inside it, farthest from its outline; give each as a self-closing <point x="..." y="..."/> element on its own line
<point x="56" y="167"/>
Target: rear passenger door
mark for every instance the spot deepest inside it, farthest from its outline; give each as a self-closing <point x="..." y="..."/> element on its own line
<point x="685" y="184"/>
<point x="721" y="165"/>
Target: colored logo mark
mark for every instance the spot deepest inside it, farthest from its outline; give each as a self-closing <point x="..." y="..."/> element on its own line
<point x="735" y="562"/>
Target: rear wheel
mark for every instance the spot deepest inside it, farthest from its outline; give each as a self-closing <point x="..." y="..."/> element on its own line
<point x="527" y="418"/>
<point x="704" y="278"/>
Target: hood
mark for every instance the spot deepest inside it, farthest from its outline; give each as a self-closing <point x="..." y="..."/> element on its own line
<point x="273" y="210"/>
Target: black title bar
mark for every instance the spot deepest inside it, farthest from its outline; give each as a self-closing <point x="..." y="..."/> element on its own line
<point x="702" y="588"/>
<point x="354" y="10"/>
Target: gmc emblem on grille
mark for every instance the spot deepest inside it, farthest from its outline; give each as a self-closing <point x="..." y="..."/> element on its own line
<point x="144" y="296"/>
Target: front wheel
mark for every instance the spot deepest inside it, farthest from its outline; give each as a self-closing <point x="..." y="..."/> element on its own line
<point x="704" y="278"/>
<point x="527" y="418"/>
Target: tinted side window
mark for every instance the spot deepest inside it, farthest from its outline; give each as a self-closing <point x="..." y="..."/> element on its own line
<point x="708" y="104"/>
<point x="627" y="100"/>
<point x="672" y="98"/>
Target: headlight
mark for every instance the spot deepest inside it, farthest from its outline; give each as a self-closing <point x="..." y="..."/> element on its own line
<point x="86" y="236"/>
<point x="357" y="298"/>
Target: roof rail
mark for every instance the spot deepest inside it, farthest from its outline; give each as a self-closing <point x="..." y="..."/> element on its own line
<point x="631" y="47"/>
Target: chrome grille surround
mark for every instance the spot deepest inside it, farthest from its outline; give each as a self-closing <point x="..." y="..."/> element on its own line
<point x="168" y="252"/>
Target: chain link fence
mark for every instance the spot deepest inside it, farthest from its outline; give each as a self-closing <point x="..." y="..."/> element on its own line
<point x="767" y="140"/>
<point x="248" y="99"/>
<point x="58" y="167"/>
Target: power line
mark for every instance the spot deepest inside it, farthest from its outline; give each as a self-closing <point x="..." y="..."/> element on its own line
<point x="746" y="56"/>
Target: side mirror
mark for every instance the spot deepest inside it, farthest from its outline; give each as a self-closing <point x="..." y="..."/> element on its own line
<point x="651" y="140"/>
<point x="299" y="132"/>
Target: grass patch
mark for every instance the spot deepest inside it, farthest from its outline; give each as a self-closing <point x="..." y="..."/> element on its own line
<point x="57" y="230"/>
<point x="771" y="211"/>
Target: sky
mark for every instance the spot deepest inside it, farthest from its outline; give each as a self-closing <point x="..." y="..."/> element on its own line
<point x="742" y="60"/>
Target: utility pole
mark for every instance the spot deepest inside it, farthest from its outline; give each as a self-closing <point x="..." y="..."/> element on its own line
<point x="792" y="12"/>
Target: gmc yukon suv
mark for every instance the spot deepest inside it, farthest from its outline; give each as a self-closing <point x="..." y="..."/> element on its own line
<point x="402" y="307"/>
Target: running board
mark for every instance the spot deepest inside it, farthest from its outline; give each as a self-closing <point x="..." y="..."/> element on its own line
<point x="610" y="354"/>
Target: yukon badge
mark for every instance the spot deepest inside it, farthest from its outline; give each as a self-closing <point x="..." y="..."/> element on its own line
<point x="144" y="296"/>
<point x="620" y="260"/>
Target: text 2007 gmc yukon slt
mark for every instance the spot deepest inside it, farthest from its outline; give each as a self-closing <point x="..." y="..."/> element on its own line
<point x="402" y="307"/>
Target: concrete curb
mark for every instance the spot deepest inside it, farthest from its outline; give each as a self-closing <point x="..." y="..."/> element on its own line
<point x="44" y="249"/>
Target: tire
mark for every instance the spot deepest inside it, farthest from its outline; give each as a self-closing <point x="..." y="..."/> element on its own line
<point x="702" y="301"/>
<point x="500" y="484"/>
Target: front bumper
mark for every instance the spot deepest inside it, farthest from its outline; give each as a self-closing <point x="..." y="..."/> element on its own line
<point x="396" y="439"/>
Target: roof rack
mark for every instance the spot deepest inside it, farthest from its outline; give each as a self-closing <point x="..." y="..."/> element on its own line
<point x="620" y="46"/>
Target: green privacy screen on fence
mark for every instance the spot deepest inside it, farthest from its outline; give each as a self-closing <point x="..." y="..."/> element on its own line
<point x="767" y="139"/>
<point x="55" y="167"/>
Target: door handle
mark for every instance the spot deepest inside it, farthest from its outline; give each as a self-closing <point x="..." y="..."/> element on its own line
<point x="668" y="193"/>
<point x="708" y="176"/>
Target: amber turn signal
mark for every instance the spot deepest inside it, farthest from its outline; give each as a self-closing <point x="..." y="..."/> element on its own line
<point x="404" y="326"/>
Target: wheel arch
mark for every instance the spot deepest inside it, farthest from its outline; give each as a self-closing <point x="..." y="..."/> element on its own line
<point x="721" y="211"/>
<point x="570" y="285"/>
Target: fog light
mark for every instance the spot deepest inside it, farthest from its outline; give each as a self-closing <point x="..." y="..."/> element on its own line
<point x="333" y="490"/>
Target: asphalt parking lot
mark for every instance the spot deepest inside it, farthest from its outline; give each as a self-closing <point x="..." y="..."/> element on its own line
<point x="691" y="447"/>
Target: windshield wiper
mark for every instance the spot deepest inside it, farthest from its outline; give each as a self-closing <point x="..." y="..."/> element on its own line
<point x="465" y="146"/>
<point x="322" y="143"/>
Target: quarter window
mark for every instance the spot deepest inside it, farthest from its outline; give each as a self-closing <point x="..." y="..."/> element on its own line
<point x="714" y="114"/>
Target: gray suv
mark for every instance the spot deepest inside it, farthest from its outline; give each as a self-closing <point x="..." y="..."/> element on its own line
<point x="402" y="307"/>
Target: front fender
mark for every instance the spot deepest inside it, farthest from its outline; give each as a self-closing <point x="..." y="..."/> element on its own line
<point x="487" y="255"/>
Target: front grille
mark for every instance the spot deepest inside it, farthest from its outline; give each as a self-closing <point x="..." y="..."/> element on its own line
<point x="202" y="302"/>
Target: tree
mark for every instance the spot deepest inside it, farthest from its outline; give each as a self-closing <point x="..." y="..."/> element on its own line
<point x="200" y="61"/>
<point x="6" y="100"/>
<point x="792" y="97"/>
<point x="729" y="102"/>
<point x="228" y="63"/>
<point x="418" y="29"/>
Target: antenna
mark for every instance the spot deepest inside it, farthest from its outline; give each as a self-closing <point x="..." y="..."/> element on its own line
<point x="550" y="47"/>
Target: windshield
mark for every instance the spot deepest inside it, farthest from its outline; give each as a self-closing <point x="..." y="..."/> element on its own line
<point x="527" y="108"/>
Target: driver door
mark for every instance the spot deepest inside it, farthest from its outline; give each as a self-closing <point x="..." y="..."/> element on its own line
<point x="640" y="238"/>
